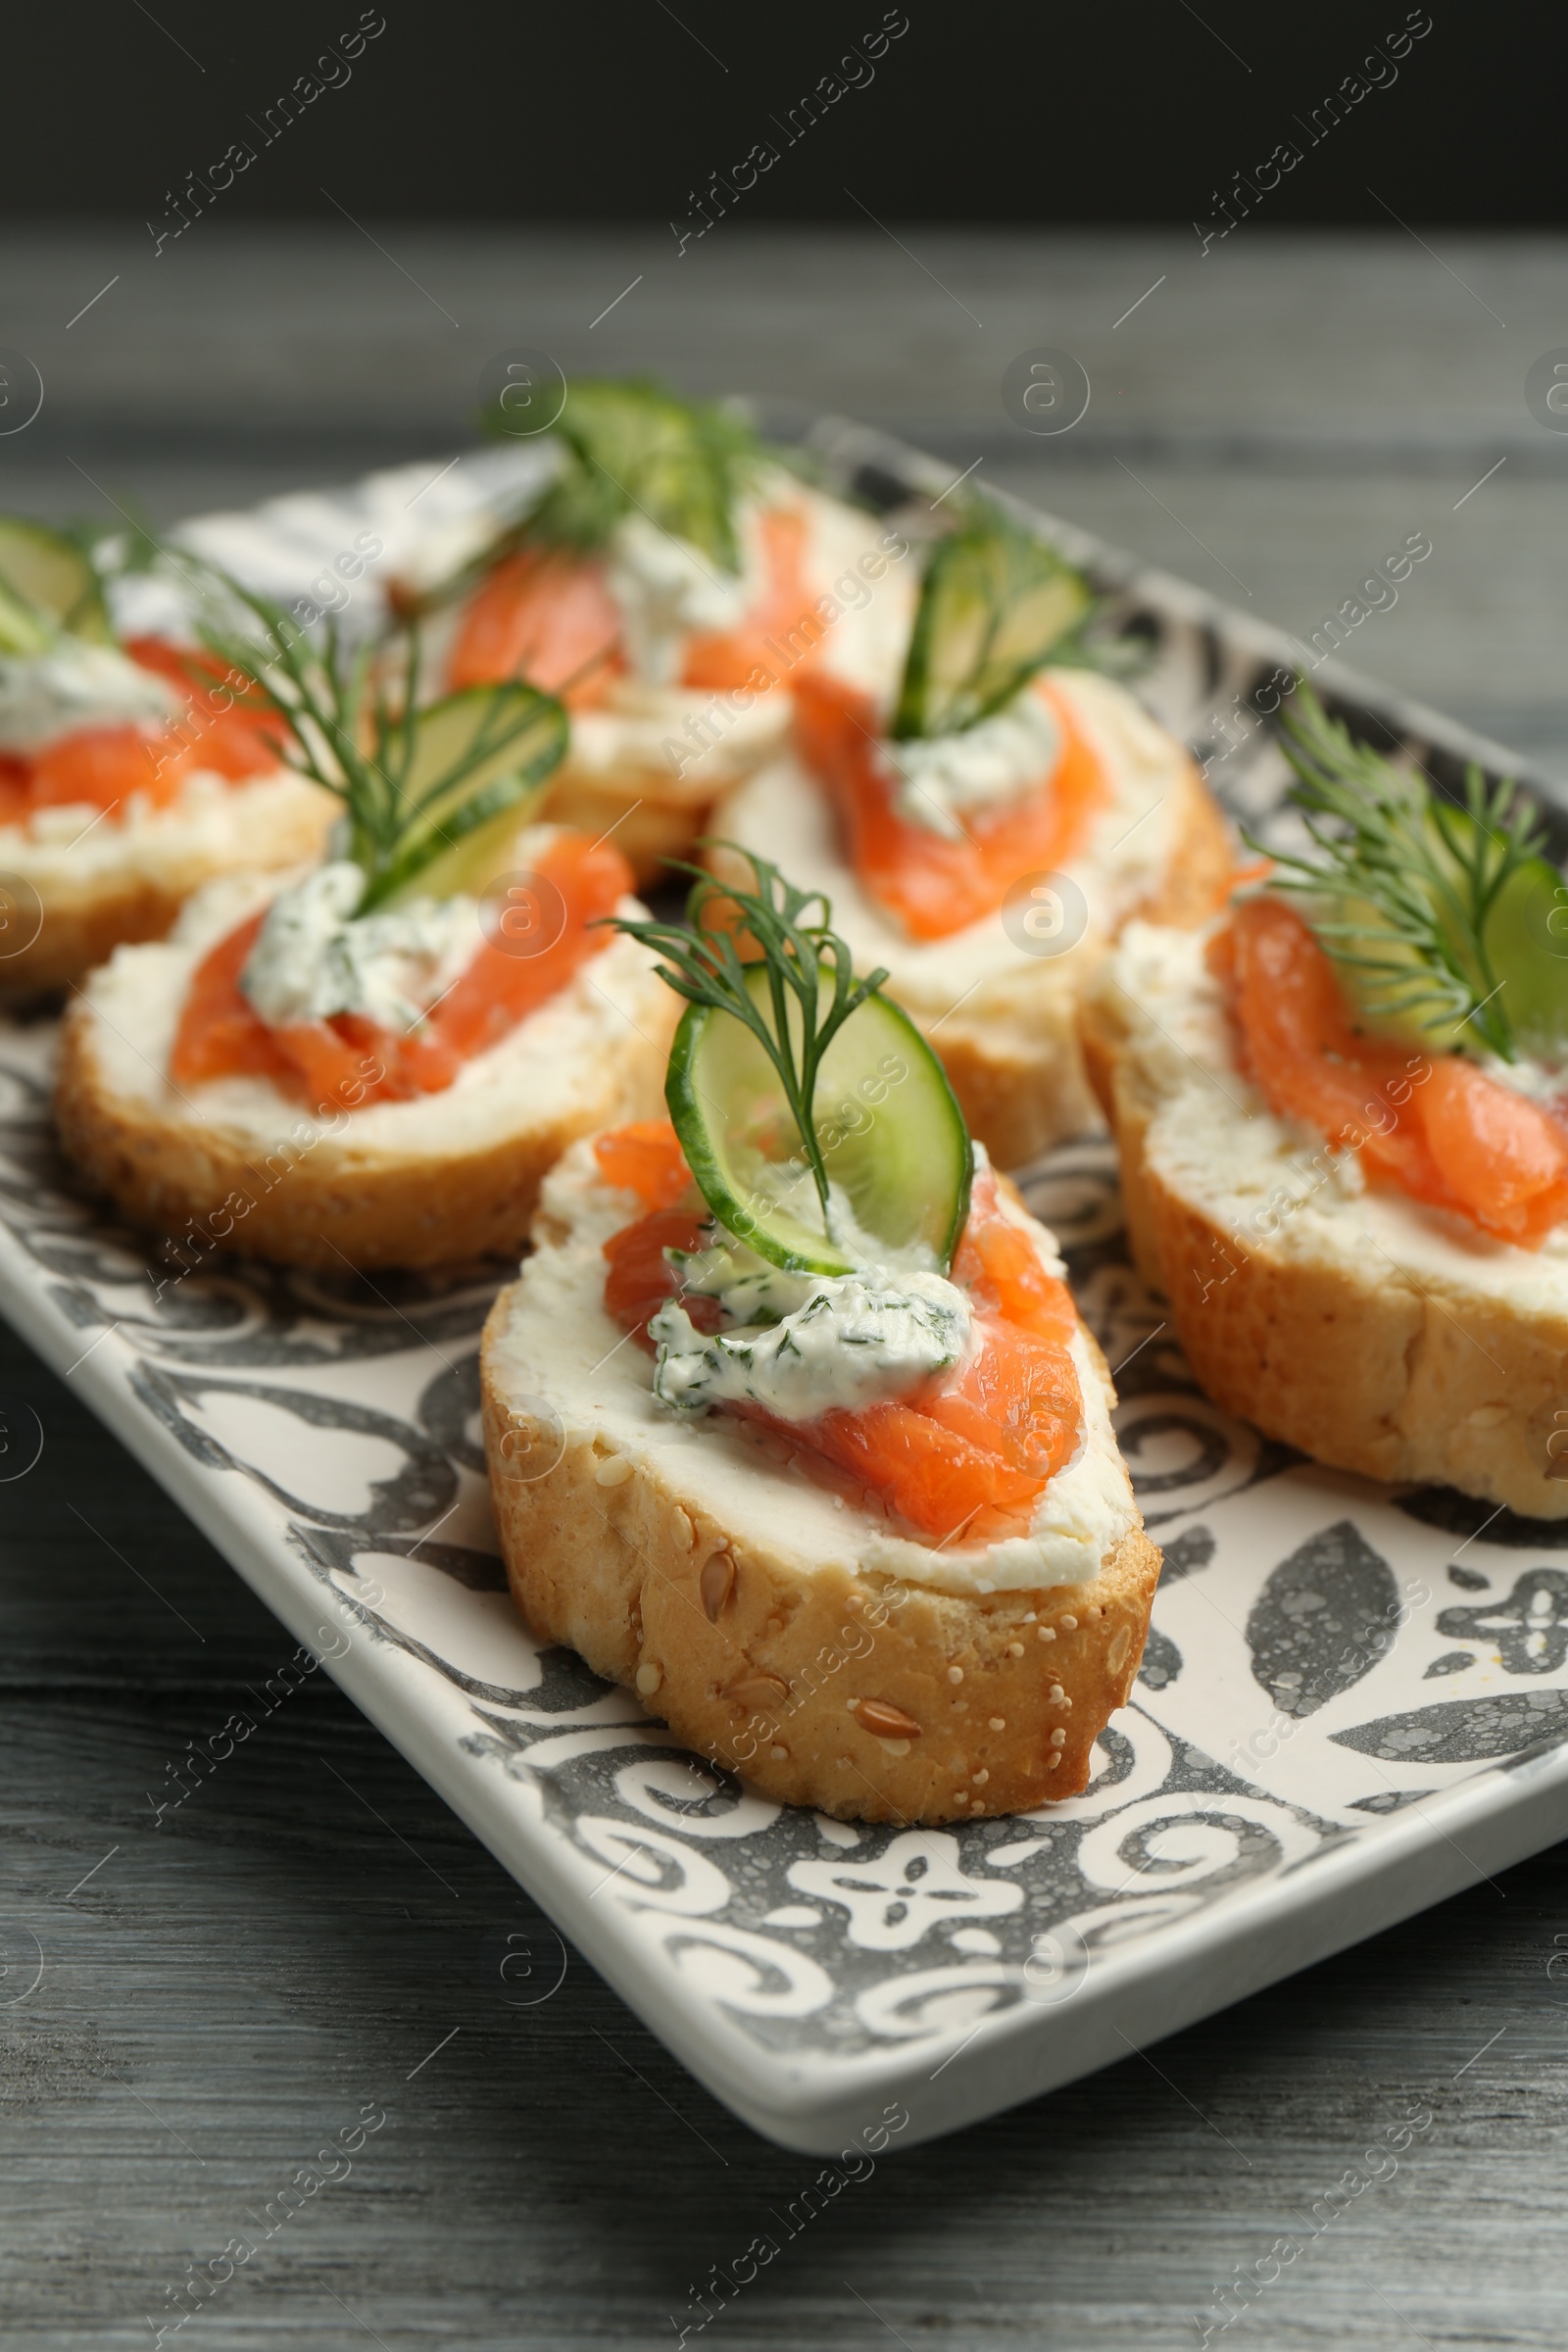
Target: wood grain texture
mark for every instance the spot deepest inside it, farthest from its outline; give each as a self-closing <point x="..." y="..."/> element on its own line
<point x="223" y="1993"/>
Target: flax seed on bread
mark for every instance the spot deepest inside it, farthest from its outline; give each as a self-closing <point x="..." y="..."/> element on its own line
<point x="781" y="1625"/>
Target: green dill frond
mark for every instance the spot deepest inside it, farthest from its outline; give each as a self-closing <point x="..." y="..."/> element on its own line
<point x="413" y="781"/>
<point x="1406" y="882"/>
<point x="635" y="446"/>
<point x="704" y="964"/>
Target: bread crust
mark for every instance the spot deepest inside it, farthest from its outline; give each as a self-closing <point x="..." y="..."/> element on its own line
<point x="126" y="904"/>
<point x="651" y="813"/>
<point x="1357" y="1365"/>
<point x="762" y="1667"/>
<point x="321" y="1202"/>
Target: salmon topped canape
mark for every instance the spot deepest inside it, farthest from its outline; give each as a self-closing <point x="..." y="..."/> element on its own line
<point x="673" y="582"/>
<point x="846" y="1511"/>
<point x="1341" y="1108"/>
<point x="985" y="824"/>
<point x="133" y="770"/>
<point x="372" y="1061"/>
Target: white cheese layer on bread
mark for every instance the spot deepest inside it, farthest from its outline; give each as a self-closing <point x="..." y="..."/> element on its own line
<point x="561" y="1345"/>
<point x="786" y="815"/>
<point x="543" y="1070"/>
<point x="1271" y="1181"/>
<point x="212" y="825"/>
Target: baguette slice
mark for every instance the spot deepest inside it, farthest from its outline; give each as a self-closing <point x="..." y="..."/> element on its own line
<point x="1003" y="1021"/>
<point x="780" y="1627"/>
<point x="1374" y="1333"/>
<point x="236" y="1164"/>
<point x="89" y="883"/>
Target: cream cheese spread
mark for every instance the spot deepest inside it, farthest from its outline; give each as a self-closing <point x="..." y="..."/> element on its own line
<point x="313" y="956"/>
<point x="1273" y="1182"/>
<point x="560" y="1343"/>
<point x="45" y="696"/>
<point x="802" y="1344"/>
<point x="941" y="780"/>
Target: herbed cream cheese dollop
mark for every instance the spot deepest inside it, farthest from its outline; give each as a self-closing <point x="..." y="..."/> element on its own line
<point x="560" y="1343"/>
<point x="313" y="956"/>
<point x="802" y="1344"/>
<point x="940" y="779"/>
<point x="45" y="696"/>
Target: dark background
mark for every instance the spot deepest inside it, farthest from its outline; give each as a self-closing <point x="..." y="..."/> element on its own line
<point x="1010" y="113"/>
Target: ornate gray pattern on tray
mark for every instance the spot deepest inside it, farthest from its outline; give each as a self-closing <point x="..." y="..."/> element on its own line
<point x="1342" y="1685"/>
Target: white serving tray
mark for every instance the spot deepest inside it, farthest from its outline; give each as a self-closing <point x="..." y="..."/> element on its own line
<point x="1352" y="1705"/>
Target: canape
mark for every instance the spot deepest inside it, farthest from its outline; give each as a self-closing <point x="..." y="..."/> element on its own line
<point x="1342" y="1112"/>
<point x="130" y="772"/>
<point x="791" y="1424"/>
<point x="374" y="1060"/>
<point x="672" y="582"/>
<point x="985" y="831"/>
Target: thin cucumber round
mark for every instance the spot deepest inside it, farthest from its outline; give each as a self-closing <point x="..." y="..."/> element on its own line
<point x="994" y="601"/>
<point x="892" y="1140"/>
<point x="478" y="758"/>
<point x="49" y="572"/>
<point x="1525" y="939"/>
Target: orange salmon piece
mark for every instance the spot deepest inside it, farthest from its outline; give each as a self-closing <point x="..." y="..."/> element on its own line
<point x="104" y="766"/>
<point x="641" y="1277"/>
<point x="227" y="731"/>
<point x="542" y="614"/>
<point x="724" y="658"/>
<point x="1311" y="1064"/>
<point x="645" y="1159"/>
<point x="348" y="1060"/>
<point x="1436" y="1126"/>
<point x="499" y="988"/>
<point x="932" y="885"/>
<point x="1501" y="1155"/>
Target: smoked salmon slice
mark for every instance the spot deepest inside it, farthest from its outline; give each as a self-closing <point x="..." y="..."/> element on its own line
<point x="219" y="732"/>
<point x="1434" y="1125"/>
<point x="933" y="885"/>
<point x="548" y="614"/>
<point x="348" y="1060"/>
<point x="973" y="1450"/>
<point x="544" y="615"/>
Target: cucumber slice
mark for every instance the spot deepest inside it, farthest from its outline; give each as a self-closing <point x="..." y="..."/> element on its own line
<point x="471" y="864"/>
<point x="887" y="1120"/>
<point x="1526" y="941"/>
<point x="23" y="628"/>
<point x="453" y="786"/>
<point x="994" y="603"/>
<point x="48" y="572"/>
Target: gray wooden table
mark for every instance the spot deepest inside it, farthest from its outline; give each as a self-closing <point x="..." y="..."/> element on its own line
<point x="188" y="2013"/>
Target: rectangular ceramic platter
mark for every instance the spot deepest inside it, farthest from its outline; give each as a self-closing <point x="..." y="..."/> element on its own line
<point x="1350" y="1705"/>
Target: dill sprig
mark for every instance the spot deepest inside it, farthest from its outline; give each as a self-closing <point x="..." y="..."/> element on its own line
<point x="1428" y="873"/>
<point x="635" y="446"/>
<point x="413" y="781"/>
<point x="704" y="964"/>
<point x="996" y="605"/>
